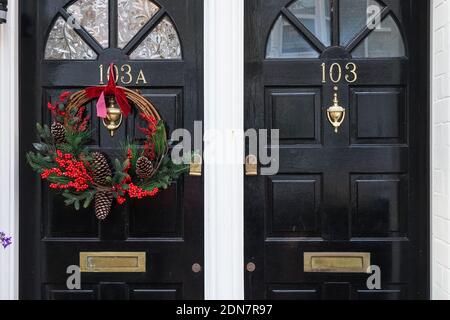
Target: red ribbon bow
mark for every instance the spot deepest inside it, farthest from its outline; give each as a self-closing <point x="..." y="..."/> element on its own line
<point x="110" y="90"/>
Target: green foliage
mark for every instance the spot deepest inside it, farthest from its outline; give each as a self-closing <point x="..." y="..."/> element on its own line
<point x="120" y="173"/>
<point x="76" y="200"/>
<point x="76" y="142"/>
<point x="59" y="180"/>
<point x="40" y="162"/>
<point x="167" y="173"/>
<point x="160" y="140"/>
<point x="45" y="134"/>
<point x="136" y="152"/>
<point x="43" y="158"/>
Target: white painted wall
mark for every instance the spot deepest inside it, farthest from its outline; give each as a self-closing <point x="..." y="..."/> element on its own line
<point x="9" y="151"/>
<point x="441" y="150"/>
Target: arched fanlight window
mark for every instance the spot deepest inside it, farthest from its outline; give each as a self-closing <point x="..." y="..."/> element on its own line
<point x="67" y="39"/>
<point x="161" y="43"/>
<point x="367" y="29"/>
<point x="64" y="43"/>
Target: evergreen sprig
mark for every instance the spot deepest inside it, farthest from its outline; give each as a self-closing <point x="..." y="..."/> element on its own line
<point x="159" y="139"/>
<point x="40" y="162"/>
<point x="120" y="172"/>
<point x="76" y="199"/>
<point x="76" y="142"/>
<point x="43" y="158"/>
<point x="136" y="152"/>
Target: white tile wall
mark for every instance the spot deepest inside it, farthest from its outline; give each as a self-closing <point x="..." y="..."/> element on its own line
<point x="441" y="151"/>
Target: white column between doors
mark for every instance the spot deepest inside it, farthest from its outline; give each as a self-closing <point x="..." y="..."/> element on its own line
<point x="224" y="184"/>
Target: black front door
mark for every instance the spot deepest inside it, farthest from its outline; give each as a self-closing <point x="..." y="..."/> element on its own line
<point x="157" y="47"/>
<point x="346" y="83"/>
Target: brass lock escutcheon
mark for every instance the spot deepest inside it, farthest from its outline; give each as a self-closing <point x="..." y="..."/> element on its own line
<point x="336" y="114"/>
<point x="251" y="165"/>
<point x="196" y="166"/>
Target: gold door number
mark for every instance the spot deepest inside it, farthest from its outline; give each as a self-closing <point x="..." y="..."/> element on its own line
<point x="334" y="72"/>
<point x="124" y="73"/>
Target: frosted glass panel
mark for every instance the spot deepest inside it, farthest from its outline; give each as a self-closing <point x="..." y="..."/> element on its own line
<point x="385" y="41"/>
<point x="316" y="16"/>
<point x="65" y="44"/>
<point x="286" y="42"/>
<point x="132" y="16"/>
<point x="355" y="15"/>
<point x="161" y="43"/>
<point x="92" y="15"/>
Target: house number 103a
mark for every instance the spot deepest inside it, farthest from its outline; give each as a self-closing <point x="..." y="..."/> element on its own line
<point x="124" y="73"/>
<point x="335" y="72"/>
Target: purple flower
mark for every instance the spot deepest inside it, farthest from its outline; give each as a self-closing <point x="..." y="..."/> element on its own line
<point x="6" y="241"/>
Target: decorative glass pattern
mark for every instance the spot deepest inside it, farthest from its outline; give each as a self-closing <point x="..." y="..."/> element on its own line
<point x="132" y="16"/>
<point x="385" y="41"/>
<point x="161" y="43"/>
<point x="316" y="16"/>
<point x="92" y="15"/>
<point x="286" y="42"/>
<point x="355" y="15"/>
<point x="65" y="44"/>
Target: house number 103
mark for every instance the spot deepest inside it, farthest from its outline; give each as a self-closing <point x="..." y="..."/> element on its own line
<point x="335" y="72"/>
<point x="123" y="73"/>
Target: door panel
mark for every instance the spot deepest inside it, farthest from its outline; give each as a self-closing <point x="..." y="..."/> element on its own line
<point x="168" y="228"/>
<point x="363" y="189"/>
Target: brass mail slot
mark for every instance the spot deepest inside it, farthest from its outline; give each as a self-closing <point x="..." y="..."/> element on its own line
<point x="342" y="262"/>
<point x="112" y="262"/>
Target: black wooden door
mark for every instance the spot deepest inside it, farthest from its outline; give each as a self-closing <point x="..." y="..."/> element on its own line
<point x="345" y="200"/>
<point x="157" y="47"/>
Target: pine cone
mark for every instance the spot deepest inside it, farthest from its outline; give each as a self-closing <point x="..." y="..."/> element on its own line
<point x="144" y="168"/>
<point x="58" y="132"/>
<point x="101" y="168"/>
<point x="103" y="204"/>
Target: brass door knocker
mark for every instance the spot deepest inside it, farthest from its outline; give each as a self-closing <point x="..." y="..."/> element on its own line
<point x="114" y="117"/>
<point x="336" y="114"/>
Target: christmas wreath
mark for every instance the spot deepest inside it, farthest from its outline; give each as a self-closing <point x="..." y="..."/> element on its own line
<point x="63" y="159"/>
